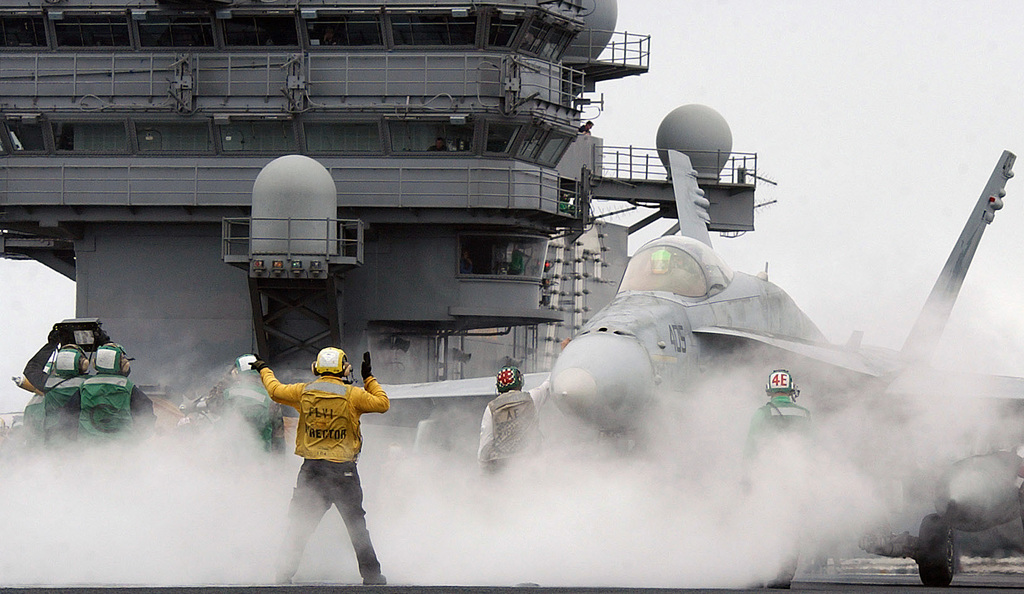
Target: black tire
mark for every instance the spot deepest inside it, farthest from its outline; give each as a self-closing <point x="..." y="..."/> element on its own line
<point x="936" y="557"/>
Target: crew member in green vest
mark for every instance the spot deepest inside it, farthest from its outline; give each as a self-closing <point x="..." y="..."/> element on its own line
<point x="112" y="405"/>
<point x="52" y="415"/>
<point x="777" y="428"/>
<point x="33" y="379"/>
<point x="781" y="415"/>
<point x="242" y="393"/>
<point x="61" y="395"/>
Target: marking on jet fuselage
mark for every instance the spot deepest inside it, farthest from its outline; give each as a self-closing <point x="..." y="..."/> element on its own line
<point x="677" y="333"/>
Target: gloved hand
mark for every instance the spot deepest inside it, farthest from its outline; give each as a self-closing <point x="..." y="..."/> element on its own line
<point x="258" y="365"/>
<point x="102" y="337"/>
<point x="367" y="372"/>
<point x="53" y="337"/>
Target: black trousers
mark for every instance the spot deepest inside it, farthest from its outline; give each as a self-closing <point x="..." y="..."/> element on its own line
<point x="320" y="484"/>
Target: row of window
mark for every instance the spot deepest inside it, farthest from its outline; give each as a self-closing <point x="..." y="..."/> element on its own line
<point x="307" y="29"/>
<point x="525" y="142"/>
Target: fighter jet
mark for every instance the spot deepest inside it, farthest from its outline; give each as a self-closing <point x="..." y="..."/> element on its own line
<point x="681" y="314"/>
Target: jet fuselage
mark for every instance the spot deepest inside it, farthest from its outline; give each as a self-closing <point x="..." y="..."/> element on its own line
<point x="650" y="341"/>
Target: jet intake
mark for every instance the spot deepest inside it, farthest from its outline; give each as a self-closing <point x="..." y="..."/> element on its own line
<point x="980" y="492"/>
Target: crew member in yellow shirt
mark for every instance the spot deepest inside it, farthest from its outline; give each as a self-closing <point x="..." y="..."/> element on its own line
<point x="329" y="439"/>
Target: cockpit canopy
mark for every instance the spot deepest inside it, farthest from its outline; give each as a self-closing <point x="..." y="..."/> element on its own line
<point x="680" y="265"/>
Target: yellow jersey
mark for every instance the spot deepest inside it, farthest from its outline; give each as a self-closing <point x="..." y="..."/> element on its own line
<point x="329" y="411"/>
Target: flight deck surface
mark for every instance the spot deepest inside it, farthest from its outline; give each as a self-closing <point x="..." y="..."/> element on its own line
<point x="857" y="575"/>
<point x="874" y="583"/>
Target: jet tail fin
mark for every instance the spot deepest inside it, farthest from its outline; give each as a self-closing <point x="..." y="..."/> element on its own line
<point x="924" y="336"/>
<point x="691" y="205"/>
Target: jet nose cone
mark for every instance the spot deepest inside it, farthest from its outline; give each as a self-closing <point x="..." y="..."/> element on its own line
<point x="604" y="379"/>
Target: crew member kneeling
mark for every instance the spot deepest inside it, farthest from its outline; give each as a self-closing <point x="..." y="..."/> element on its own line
<point x="329" y="439"/>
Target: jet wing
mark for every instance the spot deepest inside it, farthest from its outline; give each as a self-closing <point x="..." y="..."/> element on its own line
<point x="858" y="361"/>
<point x="461" y="388"/>
<point x="412" y="403"/>
<point x="916" y="380"/>
<point x="952" y="383"/>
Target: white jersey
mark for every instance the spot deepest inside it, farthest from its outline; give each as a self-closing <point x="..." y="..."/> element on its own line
<point x="539" y="395"/>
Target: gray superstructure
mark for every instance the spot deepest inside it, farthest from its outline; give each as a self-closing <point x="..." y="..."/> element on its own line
<point x="134" y="128"/>
<point x="133" y="132"/>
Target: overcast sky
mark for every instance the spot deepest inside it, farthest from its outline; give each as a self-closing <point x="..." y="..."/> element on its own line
<point x="880" y="121"/>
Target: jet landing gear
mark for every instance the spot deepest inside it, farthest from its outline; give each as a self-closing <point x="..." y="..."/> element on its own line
<point x="933" y="549"/>
<point x="936" y="559"/>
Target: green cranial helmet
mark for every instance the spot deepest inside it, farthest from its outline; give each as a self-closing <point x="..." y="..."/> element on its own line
<point x="70" y="361"/>
<point x="780" y="383"/>
<point x="242" y="363"/>
<point x="509" y="378"/>
<point x="111" y="358"/>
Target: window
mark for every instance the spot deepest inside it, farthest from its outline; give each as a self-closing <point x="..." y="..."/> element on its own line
<point x="535" y="37"/>
<point x="257" y="137"/>
<point x="502" y="255"/>
<point x="528" y="150"/>
<point x="106" y="137"/>
<point x="346" y="30"/>
<point x="568" y="195"/>
<point x="436" y="29"/>
<point x="545" y="40"/>
<point x="680" y="265"/>
<point x="25" y="136"/>
<point x="176" y="31"/>
<point x="502" y="31"/>
<point x="334" y="137"/>
<point x="431" y="136"/>
<point x="260" y="30"/>
<point x="663" y="268"/>
<point x="553" y="149"/>
<point x="500" y="137"/>
<point x="22" y="32"/>
<point x="92" y="31"/>
<point x="191" y="137"/>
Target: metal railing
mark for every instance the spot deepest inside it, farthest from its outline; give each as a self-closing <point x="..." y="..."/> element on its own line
<point x="553" y="83"/>
<point x="379" y="184"/>
<point x="627" y="49"/>
<point x="94" y="81"/>
<point x="342" y="241"/>
<point x="621" y="48"/>
<point x="632" y="163"/>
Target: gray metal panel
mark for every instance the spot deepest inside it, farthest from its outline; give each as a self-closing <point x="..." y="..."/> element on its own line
<point x="98" y="79"/>
<point x="408" y="283"/>
<point x="96" y="185"/>
<point x="731" y="209"/>
<point x="255" y="80"/>
<point x="381" y="182"/>
<point x="34" y="183"/>
<point x="163" y="293"/>
<point x="582" y="152"/>
<point x="242" y="74"/>
<point x="410" y="274"/>
<point x="164" y="185"/>
<point x="335" y="79"/>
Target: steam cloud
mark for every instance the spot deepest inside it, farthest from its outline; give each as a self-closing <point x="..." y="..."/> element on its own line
<point x="668" y="508"/>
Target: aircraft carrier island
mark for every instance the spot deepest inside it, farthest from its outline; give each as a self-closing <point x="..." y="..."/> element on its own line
<point x="405" y="177"/>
